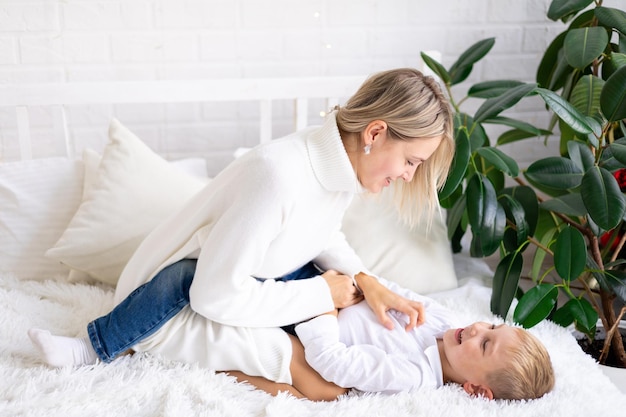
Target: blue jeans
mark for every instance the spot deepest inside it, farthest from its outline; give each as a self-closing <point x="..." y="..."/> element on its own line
<point x="151" y="305"/>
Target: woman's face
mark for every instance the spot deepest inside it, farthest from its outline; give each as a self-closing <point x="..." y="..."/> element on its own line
<point x="391" y="159"/>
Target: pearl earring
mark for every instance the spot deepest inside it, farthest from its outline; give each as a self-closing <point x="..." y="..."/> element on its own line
<point x="367" y="149"/>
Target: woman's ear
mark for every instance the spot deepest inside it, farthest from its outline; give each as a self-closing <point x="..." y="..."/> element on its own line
<point x="373" y="129"/>
<point x="478" y="390"/>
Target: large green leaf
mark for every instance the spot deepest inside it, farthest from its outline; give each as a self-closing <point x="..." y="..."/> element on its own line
<point x="612" y="18"/>
<point x="561" y="9"/>
<point x="486" y="216"/>
<point x="553" y="68"/>
<point x="584" y="19"/>
<point x="602" y="197"/>
<point x="569" y="253"/>
<point x="462" y="67"/>
<point x="577" y="310"/>
<point x="436" y="67"/>
<point x="455" y="215"/>
<point x="518" y="124"/>
<point x="613" y="96"/>
<point x="490" y="171"/>
<point x="618" y="151"/>
<point x="614" y="156"/>
<point x="545" y="237"/>
<point x="586" y="95"/>
<point x="536" y="305"/>
<point x="516" y="135"/>
<point x="459" y="164"/>
<point x="612" y="63"/>
<point x="527" y="197"/>
<point x="500" y="160"/>
<point x="494" y="106"/>
<point x="567" y="134"/>
<point x="505" y="283"/>
<point x="582" y="46"/>
<point x="489" y="89"/>
<point x="566" y="111"/>
<point x="569" y="204"/>
<point x="478" y="136"/>
<point x="515" y="213"/>
<point x="555" y="172"/>
<point x="581" y="155"/>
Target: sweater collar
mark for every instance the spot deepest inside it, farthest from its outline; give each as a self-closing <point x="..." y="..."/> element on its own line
<point x="329" y="158"/>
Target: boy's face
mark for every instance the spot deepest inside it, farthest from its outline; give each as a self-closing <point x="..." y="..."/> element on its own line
<point x="472" y="353"/>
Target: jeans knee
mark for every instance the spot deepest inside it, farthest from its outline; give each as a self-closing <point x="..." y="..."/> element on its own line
<point x="188" y="270"/>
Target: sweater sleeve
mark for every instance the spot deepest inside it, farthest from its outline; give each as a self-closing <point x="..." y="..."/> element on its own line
<point x="364" y="367"/>
<point x="340" y="256"/>
<point x="234" y="246"/>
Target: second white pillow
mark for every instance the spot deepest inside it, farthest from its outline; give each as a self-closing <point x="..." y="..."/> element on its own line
<point x="133" y="191"/>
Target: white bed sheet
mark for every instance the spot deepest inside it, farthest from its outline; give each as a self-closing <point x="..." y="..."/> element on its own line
<point x="143" y="385"/>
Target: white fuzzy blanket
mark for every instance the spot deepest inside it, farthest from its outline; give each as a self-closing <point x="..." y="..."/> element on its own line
<point x="143" y="385"/>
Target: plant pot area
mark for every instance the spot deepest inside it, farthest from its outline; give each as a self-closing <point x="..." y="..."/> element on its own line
<point x="594" y="348"/>
<point x="616" y="374"/>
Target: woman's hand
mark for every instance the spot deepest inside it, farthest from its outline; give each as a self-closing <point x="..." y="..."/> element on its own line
<point x="381" y="299"/>
<point x="343" y="291"/>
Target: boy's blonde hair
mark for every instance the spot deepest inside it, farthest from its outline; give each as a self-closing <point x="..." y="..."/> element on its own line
<point x="528" y="374"/>
<point x="414" y="107"/>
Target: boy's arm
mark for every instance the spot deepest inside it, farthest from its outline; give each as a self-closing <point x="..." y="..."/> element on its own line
<point x="266" y="385"/>
<point x="364" y="367"/>
<point x="307" y="380"/>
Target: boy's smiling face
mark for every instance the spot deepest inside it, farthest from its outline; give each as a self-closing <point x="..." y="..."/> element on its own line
<point x="469" y="355"/>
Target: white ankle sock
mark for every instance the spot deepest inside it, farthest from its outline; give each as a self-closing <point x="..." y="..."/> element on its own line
<point x="59" y="351"/>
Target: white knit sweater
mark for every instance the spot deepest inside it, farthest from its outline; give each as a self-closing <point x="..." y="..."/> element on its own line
<point x="269" y="212"/>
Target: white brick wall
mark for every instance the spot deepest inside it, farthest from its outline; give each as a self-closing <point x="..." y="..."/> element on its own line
<point x="92" y="40"/>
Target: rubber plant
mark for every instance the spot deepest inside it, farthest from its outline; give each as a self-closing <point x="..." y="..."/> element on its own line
<point x="569" y="207"/>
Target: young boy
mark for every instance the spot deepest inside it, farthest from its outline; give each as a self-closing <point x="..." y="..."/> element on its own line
<point x="351" y="349"/>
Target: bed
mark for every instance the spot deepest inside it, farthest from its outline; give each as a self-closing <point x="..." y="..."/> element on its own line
<point x="79" y="169"/>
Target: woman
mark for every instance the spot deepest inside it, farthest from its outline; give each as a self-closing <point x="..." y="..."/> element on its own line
<point x="276" y="213"/>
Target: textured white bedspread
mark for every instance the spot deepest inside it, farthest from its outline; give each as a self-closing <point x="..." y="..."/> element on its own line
<point x="143" y="385"/>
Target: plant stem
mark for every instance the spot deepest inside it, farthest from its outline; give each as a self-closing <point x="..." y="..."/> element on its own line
<point x="610" y="334"/>
<point x="619" y="247"/>
<point x="614" y="344"/>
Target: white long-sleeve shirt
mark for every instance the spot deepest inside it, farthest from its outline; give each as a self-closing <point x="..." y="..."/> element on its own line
<point x="354" y="350"/>
<point x="268" y="213"/>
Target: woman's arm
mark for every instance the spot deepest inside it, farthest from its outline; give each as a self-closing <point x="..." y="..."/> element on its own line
<point x="306" y="382"/>
<point x="381" y="299"/>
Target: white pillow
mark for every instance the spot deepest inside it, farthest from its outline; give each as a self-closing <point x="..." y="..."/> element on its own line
<point x="133" y="191"/>
<point x="37" y="200"/>
<point x="417" y="259"/>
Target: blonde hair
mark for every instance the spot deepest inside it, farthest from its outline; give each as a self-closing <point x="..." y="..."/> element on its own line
<point x="528" y="374"/>
<point x="414" y="107"/>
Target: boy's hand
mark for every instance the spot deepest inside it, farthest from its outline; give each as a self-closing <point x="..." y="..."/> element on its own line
<point x="381" y="300"/>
